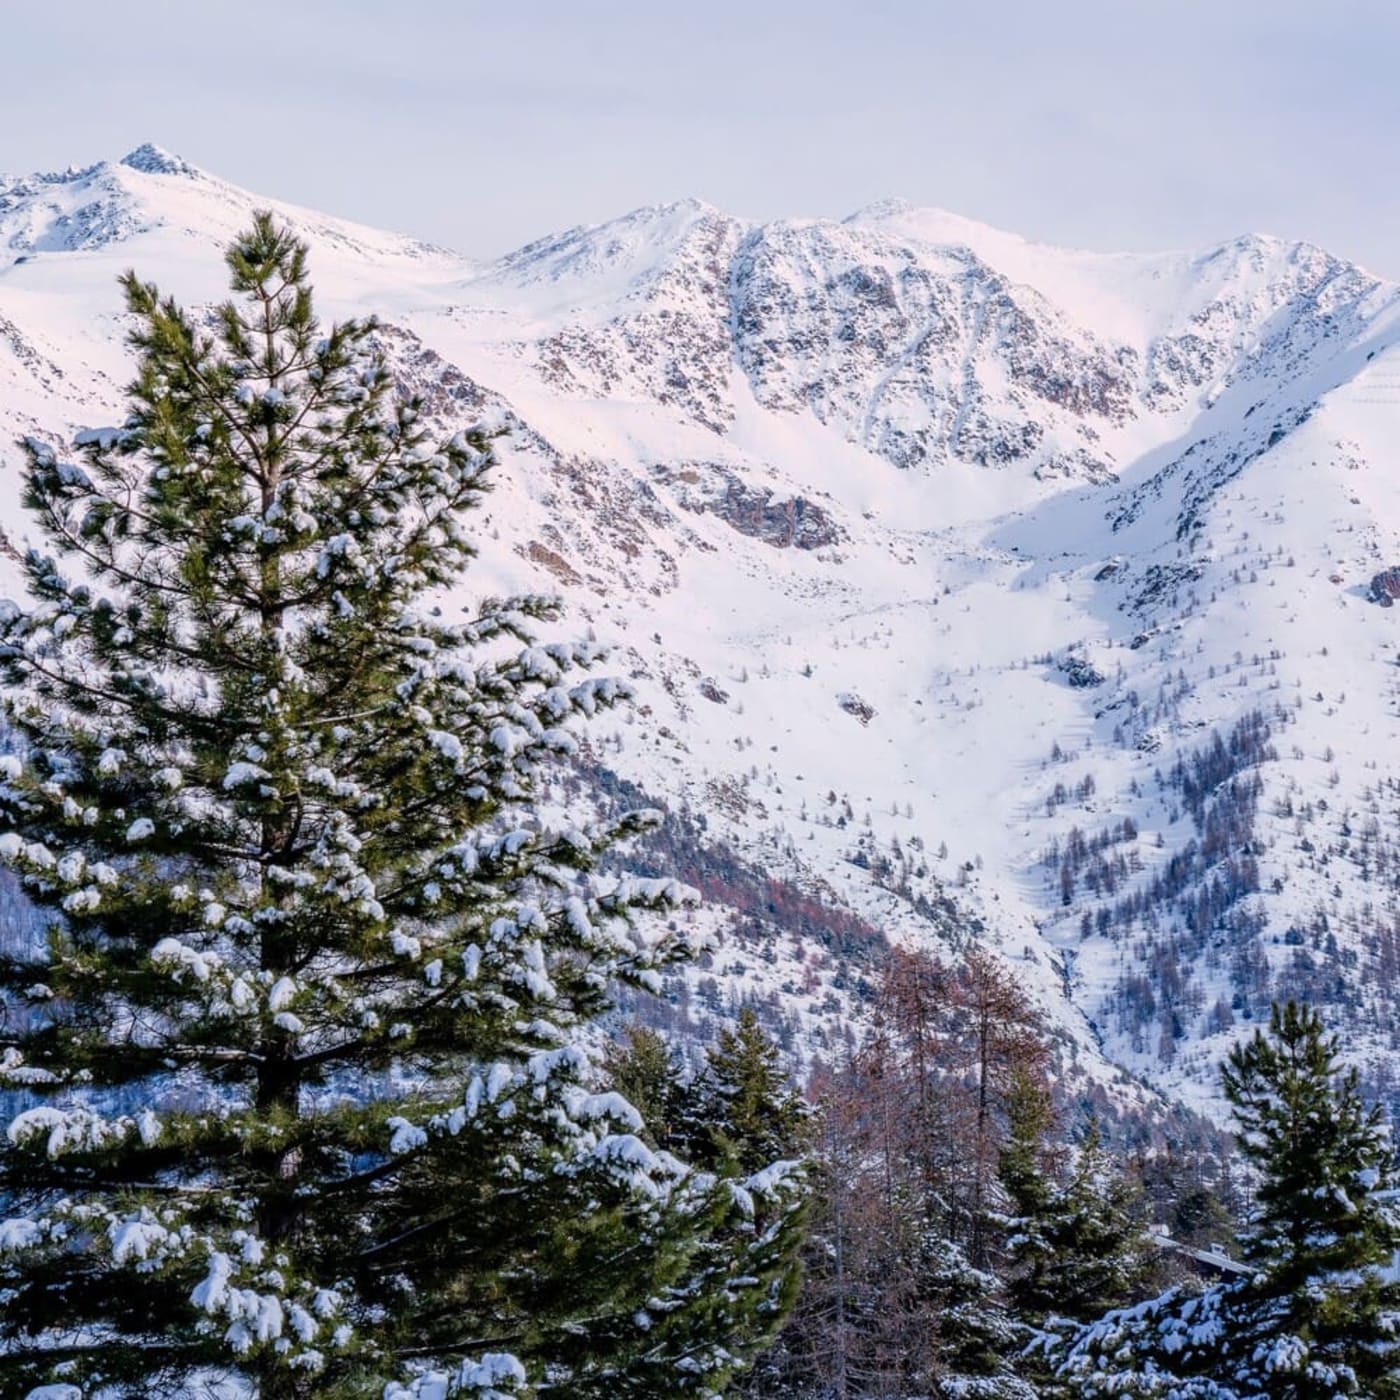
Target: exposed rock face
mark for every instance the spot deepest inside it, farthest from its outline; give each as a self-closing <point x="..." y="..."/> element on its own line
<point x="67" y="211"/>
<point x="918" y="348"/>
<point x="151" y="159"/>
<point x="446" y="393"/>
<point x="1079" y="671"/>
<point x="1160" y="583"/>
<point x="862" y="710"/>
<point x="783" y="521"/>
<point x="1385" y="587"/>
<point x="900" y="347"/>
<point x="669" y="338"/>
<point x="553" y="561"/>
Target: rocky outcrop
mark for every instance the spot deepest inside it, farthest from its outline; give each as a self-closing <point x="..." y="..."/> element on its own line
<point x="853" y="705"/>
<point x="780" y="520"/>
<point x="1385" y="587"/>
<point x="1079" y="671"/>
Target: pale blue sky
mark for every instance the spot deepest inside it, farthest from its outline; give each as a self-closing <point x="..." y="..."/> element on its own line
<point x="1102" y="123"/>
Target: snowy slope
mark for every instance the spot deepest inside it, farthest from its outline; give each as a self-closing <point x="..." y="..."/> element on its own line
<point x="939" y="559"/>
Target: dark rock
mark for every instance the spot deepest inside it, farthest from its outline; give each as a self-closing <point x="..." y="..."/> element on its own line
<point x="854" y="705"/>
<point x="1079" y="671"/>
<point x="792" y="522"/>
<point x="1385" y="586"/>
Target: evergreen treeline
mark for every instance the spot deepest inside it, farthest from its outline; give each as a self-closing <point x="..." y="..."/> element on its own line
<point x="963" y="1243"/>
<point x="954" y="1236"/>
<point x="1317" y="1311"/>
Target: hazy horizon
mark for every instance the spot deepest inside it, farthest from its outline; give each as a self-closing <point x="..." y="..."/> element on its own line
<point x="1092" y="125"/>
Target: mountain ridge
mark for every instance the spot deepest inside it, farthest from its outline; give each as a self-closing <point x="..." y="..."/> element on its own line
<point x="907" y="556"/>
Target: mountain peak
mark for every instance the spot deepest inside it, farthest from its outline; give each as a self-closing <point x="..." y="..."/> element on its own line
<point x="690" y="204"/>
<point x="891" y="207"/>
<point x="151" y="159"/>
<point x="928" y="224"/>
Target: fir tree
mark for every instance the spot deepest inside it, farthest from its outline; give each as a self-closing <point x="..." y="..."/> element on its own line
<point x="1320" y="1312"/>
<point x="1319" y="1315"/>
<point x="1028" y="1179"/>
<point x="1077" y="1246"/>
<point x="744" y="1111"/>
<point x="976" y="1340"/>
<point x="306" y="1107"/>
<point x="1200" y="1218"/>
<point x="1074" y="1245"/>
<point x="828" y="1348"/>
<point x="736" y="1119"/>
<point x="646" y="1071"/>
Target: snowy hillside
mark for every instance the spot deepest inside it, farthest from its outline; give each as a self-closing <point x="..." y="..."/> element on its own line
<point x="972" y="588"/>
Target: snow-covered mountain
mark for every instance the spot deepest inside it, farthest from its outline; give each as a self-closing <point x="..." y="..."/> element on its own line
<point x="972" y="588"/>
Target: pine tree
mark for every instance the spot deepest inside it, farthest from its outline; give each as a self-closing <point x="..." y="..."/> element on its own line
<point x="1321" y="1313"/>
<point x="305" y="1105"/>
<point x="1077" y="1247"/>
<point x="976" y="1340"/>
<point x="739" y="1120"/>
<point x="1319" y="1316"/>
<point x="1027" y="1177"/>
<point x="646" y="1071"/>
<point x="744" y="1112"/>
